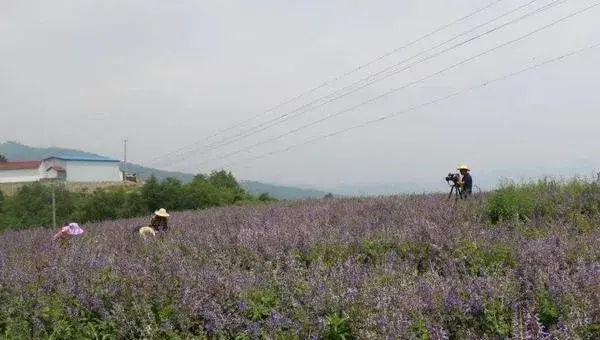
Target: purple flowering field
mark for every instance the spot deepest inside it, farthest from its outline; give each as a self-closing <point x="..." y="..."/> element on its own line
<point x="401" y="267"/>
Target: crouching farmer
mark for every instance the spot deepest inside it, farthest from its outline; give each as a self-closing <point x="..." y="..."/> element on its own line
<point x="158" y="223"/>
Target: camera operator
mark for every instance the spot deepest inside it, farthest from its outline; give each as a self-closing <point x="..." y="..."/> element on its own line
<point x="466" y="181"/>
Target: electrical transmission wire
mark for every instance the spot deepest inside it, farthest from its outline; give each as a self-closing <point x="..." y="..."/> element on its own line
<point x="352" y="87"/>
<point x="391" y="91"/>
<point x="289" y="115"/>
<point x="414" y="108"/>
<point x="328" y="82"/>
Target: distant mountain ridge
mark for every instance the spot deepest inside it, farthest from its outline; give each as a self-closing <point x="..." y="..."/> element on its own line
<point x="281" y="191"/>
<point x="17" y="151"/>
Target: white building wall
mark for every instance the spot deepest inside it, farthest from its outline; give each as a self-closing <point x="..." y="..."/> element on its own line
<point x="48" y="163"/>
<point x="23" y="175"/>
<point x="50" y="174"/>
<point x="92" y="171"/>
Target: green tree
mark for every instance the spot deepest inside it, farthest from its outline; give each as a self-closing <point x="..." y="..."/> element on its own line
<point x="151" y="193"/>
<point x="200" y="194"/>
<point x="223" y="179"/>
<point x="105" y="204"/>
<point x="171" y="194"/>
<point x="96" y="206"/>
<point x="2" y="158"/>
<point x="228" y="187"/>
<point x="264" y="197"/>
<point x="31" y="206"/>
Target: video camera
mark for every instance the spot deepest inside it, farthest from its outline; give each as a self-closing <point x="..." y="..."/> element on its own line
<point x="454" y="187"/>
<point x="455" y="178"/>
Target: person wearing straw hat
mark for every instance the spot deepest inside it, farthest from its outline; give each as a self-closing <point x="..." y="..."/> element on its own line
<point x="159" y="220"/>
<point x="466" y="181"/>
<point x="157" y="224"/>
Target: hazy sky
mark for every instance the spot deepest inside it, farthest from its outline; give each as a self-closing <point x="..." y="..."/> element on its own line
<point x="165" y="74"/>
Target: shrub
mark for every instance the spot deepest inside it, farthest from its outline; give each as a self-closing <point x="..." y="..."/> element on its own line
<point x="543" y="200"/>
<point x="511" y="202"/>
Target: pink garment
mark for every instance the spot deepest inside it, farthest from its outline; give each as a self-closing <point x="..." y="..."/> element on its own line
<point x="71" y="229"/>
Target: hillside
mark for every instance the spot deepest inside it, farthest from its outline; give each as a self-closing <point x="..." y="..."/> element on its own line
<point x="519" y="263"/>
<point x="16" y="151"/>
<point x="281" y="191"/>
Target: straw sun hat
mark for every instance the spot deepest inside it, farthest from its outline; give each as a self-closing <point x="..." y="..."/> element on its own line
<point x="161" y="212"/>
<point x="463" y="167"/>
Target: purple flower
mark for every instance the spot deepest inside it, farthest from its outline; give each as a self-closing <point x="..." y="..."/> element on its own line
<point x="254" y="328"/>
<point x="190" y="281"/>
<point x="275" y="320"/>
<point x="242" y="306"/>
<point x="351" y="293"/>
<point x="382" y="321"/>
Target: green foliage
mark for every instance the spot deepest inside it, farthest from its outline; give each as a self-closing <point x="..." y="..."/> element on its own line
<point x="286" y="335"/>
<point x="419" y="329"/>
<point x="260" y="303"/>
<point x="371" y="250"/>
<point x="592" y="331"/>
<point x="337" y="327"/>
<point x="544" y="200"/>
<point x="374" y="249"/>
<point x="548" y="313"/>
<point x="2" y="158"/>
<point x="328" y="254"/>
<point x="108" y="204"/>
<point x="223" y="179"/>
<point x="509" y="203"/>
<point x="151" y="193"/>
<point x="264" y="197"/>
<point x="494" y="259"/>
<point x="228" y="187"/>
<point x="496" y="317"/>
<point x="53" y="318"/>
<point x="31" y="206"/>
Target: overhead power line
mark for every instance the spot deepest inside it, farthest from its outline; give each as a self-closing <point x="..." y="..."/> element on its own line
<point x="391" y="91"/>
<point x="414" y="108"/>
<point x="352" y="88"/>
<point x="357" y="84"/>
<point x="328" y="82"/>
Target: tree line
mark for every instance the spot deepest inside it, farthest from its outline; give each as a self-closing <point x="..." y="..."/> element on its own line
<point x="31" y="205"/>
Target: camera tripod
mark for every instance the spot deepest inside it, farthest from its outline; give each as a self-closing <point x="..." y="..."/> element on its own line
<point x="457" y="192"/>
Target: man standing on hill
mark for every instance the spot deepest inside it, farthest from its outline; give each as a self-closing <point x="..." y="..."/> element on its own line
<point x="466" y="181"/>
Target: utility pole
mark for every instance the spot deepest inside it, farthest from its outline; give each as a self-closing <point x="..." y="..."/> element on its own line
<point x="124" y="159"/>
<point x="52" y="185"/>
<point x="53" y="206"/>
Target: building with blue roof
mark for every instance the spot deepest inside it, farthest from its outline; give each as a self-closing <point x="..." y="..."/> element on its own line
<point x="84" y="158"/>
<point x="82" y="168"/>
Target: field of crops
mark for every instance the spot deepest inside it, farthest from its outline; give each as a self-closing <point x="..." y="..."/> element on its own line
<point x="404" y="267"/>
